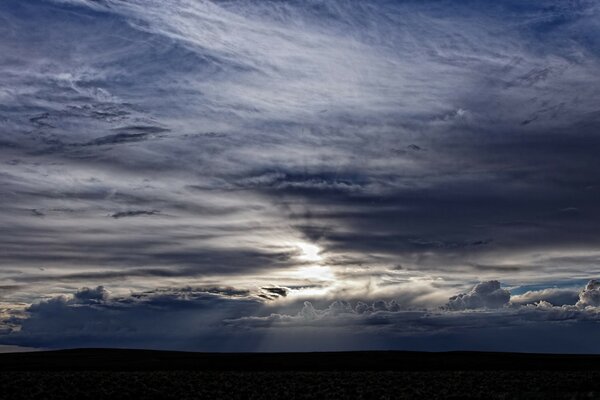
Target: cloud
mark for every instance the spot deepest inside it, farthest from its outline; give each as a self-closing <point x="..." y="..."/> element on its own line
<point x="317" y="99"/>
<point x="272" y="293"/>
<point x="487" y="303"/>
<point x="134" y="213"/>
<point x="212" y="318"/>
<point x="553" y="296"/>
<point x="91" y="296"/>
<point x="147" y="144"/>
<point x="590" y="295"/>
<point x="483" y="295"/>
<point x="128" y="134"/>
<point x="190" y="318"/>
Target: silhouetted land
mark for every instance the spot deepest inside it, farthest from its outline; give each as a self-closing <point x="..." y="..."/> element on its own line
<point x="111" y="373"/>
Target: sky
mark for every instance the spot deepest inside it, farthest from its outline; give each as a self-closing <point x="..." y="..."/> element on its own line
<point x="300" y="175"/>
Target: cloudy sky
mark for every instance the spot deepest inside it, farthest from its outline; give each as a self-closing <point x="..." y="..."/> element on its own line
<point x="300" y="174"/>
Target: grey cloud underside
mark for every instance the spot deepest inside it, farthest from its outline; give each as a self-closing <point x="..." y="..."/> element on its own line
<point x="218" y="318"/>
<point x="91" y="317"/>
<point x="145" y="144"/>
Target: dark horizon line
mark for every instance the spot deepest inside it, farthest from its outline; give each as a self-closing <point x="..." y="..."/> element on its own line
<point x="114" y="359"/>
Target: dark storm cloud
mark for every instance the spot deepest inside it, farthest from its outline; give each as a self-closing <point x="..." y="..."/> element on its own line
<point x="214" y="318"/>
<point x="190" y="318"/>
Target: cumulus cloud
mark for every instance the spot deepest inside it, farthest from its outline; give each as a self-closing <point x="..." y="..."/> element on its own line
<point x="552" y="296"/>
<point x="483" y="295"/>
<point x="91" y="296"/>
<point x="211" y="318"/>
<point x="590" y="295"/>
<point x="487" y="301"/>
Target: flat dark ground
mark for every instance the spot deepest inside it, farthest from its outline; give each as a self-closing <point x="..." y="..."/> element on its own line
<point x="138" y="374"/>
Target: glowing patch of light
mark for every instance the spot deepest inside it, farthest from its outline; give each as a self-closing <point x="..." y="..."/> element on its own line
<point x="308" y="292"/>
<point x="315" y="273"/>
<point x="309" y="252"/>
